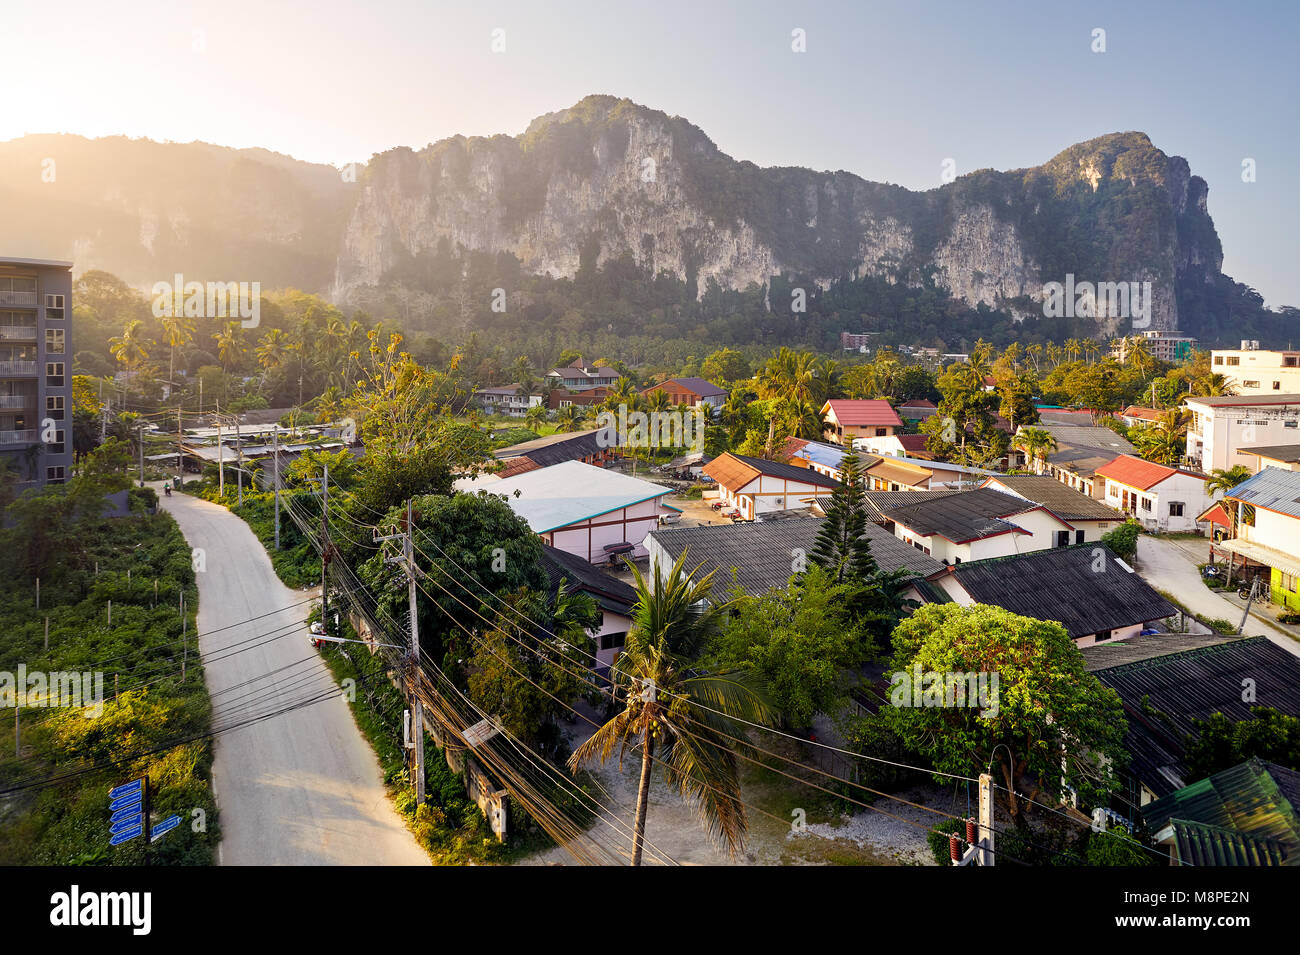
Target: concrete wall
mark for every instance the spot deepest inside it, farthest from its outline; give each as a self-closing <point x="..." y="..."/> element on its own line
<point x="587" y="539"/>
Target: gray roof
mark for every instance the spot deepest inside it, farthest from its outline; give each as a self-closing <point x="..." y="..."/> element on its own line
<point x="1116" y="653"/>
<point x="1064" y="584"/>
<point x="1061" y="499"/>
<point x="761" y="554"/>
<point x="608" y="591"/>
<point x="1088" y="436"/>
<point x="880" y="501"/>
<point x="1164" y="694"/>
<point x="966" y="516"/>
<point x="1290" y="453"/>
<point x="554" y="448"/>
<point x="1274" y="489"/>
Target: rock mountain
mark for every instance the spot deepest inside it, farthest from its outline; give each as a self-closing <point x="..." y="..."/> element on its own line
<point x="602" y="180"/>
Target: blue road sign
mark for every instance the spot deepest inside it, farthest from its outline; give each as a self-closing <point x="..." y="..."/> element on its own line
<point x="130" y="812"/>
<point x="134" y="786"/>
<point x="126" y="835"/>
<point x="164" y="827"/>
<point x="125" y="802"/>
<point x="129" y="822"/>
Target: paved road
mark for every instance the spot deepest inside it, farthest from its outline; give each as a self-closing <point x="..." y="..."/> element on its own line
<point x="1167" y="566"/>
<point x="303" y="787"/>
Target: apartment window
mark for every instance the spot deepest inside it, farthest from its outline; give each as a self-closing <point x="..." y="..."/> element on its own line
<point x="612" y="641"/>
<point x="1277" y="386"/>
<point x="56" y="446"/>
<point x="54" y="406"/>
<point x="1218" y="359"/>
<point x="1145" y="503"/>
<point x="54" y="475"/>
<point x="54" y="341"/>
<point x="54" y="374"/>
<point x="1078" y="537"/>
<point x="54" y="306"/>
<point x="1175" y="508"/>
<point x="1250" y="384"/>
<point x="1234" y="360"/>
<point x="1290" y="424"/>
<point x="1062" y="538"/>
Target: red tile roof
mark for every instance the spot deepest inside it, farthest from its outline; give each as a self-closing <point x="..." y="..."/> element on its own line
<point x="518" y="465"/>
<point x="1137" y="411"/>
<point x="918" y="403"/>
<point x="1137" y="473"/>
<point x="860" y="412"/>
<point x="912" y="443"/>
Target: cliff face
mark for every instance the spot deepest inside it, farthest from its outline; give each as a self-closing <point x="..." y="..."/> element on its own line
<point x="618" y="180"/>
<point x="608" y="180"/>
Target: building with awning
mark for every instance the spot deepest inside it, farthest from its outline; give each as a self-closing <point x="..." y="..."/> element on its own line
<point x="1264" y="512"/>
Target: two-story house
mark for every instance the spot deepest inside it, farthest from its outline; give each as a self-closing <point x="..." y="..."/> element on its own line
<point x="1265" y="531"/>
<point x="848" y="419"/>
<point x="1221" y="427"/>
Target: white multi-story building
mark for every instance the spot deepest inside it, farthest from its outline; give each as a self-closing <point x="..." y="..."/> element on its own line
<point x="1222" y="426"/>
<point x="1252" y="371"/>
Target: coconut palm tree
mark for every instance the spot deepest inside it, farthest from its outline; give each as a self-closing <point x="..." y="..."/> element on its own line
<point x="1162" y="441"/>
<point x="131" y="347"/>
<point x="681" y="720"/>
<point x="1213" y="385"/>
<point x="569" y="418"/>
<point x="535" y="417"/>
<point x="180" y="332"/>
<point x="658" y="401"/>
<point x="1036" y="443"/>
<point x="790" y="377"/>
<point x="273" y="350"/>
<point x="230" y="344"/>
<point x="1225" y="479"/>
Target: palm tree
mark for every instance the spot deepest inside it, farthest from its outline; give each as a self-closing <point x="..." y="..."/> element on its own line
<point x="1213" y="385"/>
<point x="273" y="349"/>
<point x="790" y="377"/>
<point x="1225" y="479"/>
<point x="1036" y="443"/>
<point x="681" y="719"/>
<point x="658" y="401"/>
<point x="1162" y="441"/>
<point x="535" y="417"/>
<point x="230" y="344"/>
<point x="569" y="417"/>
<point x="131" y="347"/>
<point x="1089" y="348"/>
<point x="1139" y="355"/>
<point x="180" y="331"/>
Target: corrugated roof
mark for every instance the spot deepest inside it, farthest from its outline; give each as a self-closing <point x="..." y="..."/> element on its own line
<point x="900" y="472"/>
<point x="1087" y="436"/>
<point x="571" y="492"/>
<point x="962" y="517"/>
<point x="734" y="471"/>
<point x="880" y="501"/>
<point x="1114" y="653"/>
<point x="863" y="412"/>
<point x="1245" y="815"/>
<point x="1163" y="695"/>
<point x="607" y="590"/>
<point x="1064" y="584"/>
<point x="1242" y="401"/>
<point x="1062" y="500"/>
<point x="555" y="448"/>
<point x="697" y="386"/>
<point x="762" y="554"/>
<point x="1274" y="489"/>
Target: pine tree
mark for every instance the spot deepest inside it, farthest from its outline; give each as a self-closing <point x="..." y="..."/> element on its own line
<point x="842" y="547"/>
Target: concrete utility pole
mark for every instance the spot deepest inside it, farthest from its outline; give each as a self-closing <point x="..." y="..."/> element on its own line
<point x="239" y="461"/>
<point x="221" y="457"/>
<point x="275" y="441"/>
<point x="141" y="441"/>
<point x="180" y="454"/>
<point x="986" y="819"/>
<point x="325" y="547"/>
<point x="407" y="563"/>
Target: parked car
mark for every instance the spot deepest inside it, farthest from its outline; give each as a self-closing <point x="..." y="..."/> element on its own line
<point x="665" y="519"/>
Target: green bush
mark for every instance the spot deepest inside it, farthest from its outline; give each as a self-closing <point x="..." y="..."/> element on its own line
<point x="1123" y="540"/>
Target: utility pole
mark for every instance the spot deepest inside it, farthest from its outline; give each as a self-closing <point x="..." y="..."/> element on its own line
<point x="221" y="457"/>
<point x="275" y="441"/>
<point x="986" y="819"/>
<point x="413" y="573"/>
<point x="239" y="461"/>
<point x="141" y="440"/>
<point x="325" y="546"/>
<point x="180" y="454"/>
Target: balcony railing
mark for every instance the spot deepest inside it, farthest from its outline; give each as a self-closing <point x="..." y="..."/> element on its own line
<point x="18" y="437"/>
<point x="21" y="333"/>
<point x="24" y="369"/>
<point x="18" y="298"/>
<point x="16" y="402"/>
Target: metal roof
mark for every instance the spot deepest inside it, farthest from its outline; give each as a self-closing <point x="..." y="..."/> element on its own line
<point x="860" y="412"/>
<point x="1274" y="489"/>
<point x="1288" y="453"/>
<point x="761" y="555"/>
<point x="734" y="471"/>
<point x="608" y="591"/>
<point x="571" y="492"/>
<point x="1164" y="694"/>
<point x="1245" y="815"/>
<point x="555" y="448"/>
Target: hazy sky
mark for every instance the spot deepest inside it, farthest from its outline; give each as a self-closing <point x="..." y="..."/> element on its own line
<point x="884" y="90"/>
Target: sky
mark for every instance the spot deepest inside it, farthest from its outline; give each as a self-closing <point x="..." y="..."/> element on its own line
<point x="886" y="90"/>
